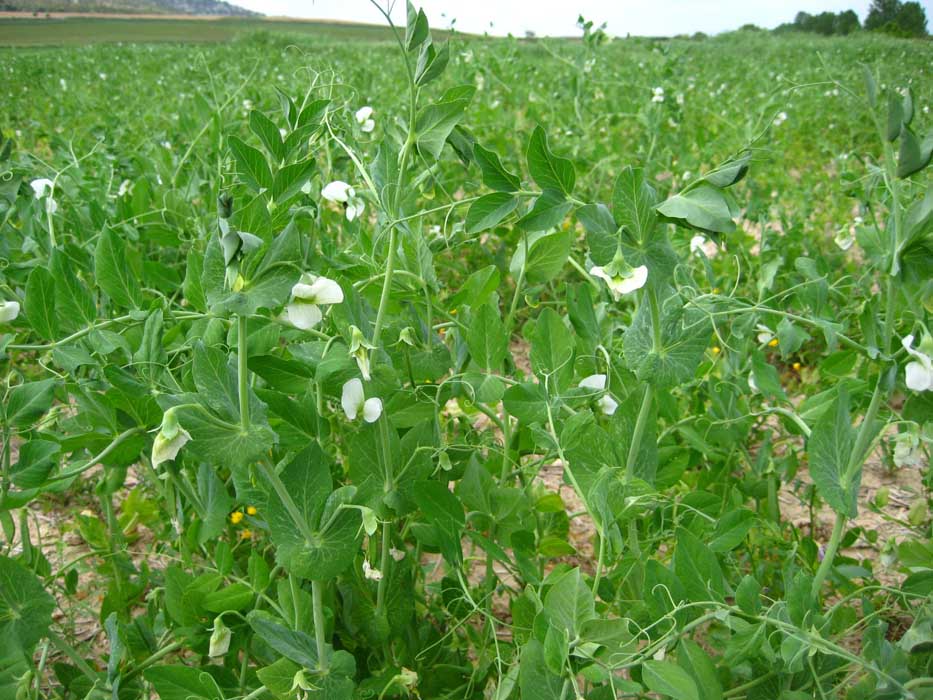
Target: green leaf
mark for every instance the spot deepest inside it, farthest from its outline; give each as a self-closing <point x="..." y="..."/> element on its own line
<point x="569" y="603"/>
<point x="731" y="529"/>
<point x="526" y="402"/>
<point x="488" y="211"/>
<point x="75" y="305"/>
<point x="830" y="450"/>
<point x="416" y="29"/>
<point x="543" y="254"/>
<point x="913" y="156"/>
<point x="486" y="338"/>
<point x="431" y="63"/>
<point x="535" y="681"/>
<point x="704" y="207"/>
<point x="748" y="595"/>
<point x="25" y="606"/>
<point x="331" y="543"/>
<point x="268" y="133"/>
<point x="113" y="271"/>
<point x="477" y="288"/>
<point x="215" y="502"/>
<point x="548" y="211"/>
<point x="548" y="170"/>
<point x="222" y="442"/>
<point x="668" y="679"/>
<point x="192" y="286"/>
<point x="39" y="303"/>
<point x="684" y="337"/>
<point x="289" y="180"/>
<point x="251" y="164"/>
<point x="443" y="510"/>
<point x="495" y="176"/>
<point x="766" y="377"/>
<point x="696" y="662"/>
<point x="602" y="232"/>
<point x="697" y="567"/>
<point x="178" y="682"/>
<point x="26" y="403"/>
<point x="37" y="458"/>
<point x="236" y="596"/>
<point x="435" y="122"/>
<point x="633" y="202"/>
<point x="552" y="349"/>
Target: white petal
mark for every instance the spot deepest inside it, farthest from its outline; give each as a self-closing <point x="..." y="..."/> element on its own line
<point x="594" y="381"/>
<point x="918" y="377"/>
<point x="364" y="113"/>
<point x="635" y="281"/>
<point x="696" y="244"/>
<point x="368" y="126"/>
<point x="751" y="382"/>
<point x="325" y="291"/>
<point x="372" y="409"/>
<point x="51" y="206"/>
<point x="336" y="191"/>
<point x="303" y="316"/>
<point x="9" y="310"/>
<point x="351" y="398"/>
<point x="40" y="186"/>
<point x="608" y="405"/>
<point x="164" y="449"/>
<point x="601" y="273"/>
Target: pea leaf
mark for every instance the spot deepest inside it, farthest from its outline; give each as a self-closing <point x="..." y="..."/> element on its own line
<point x="668" y="679"/>
<point x="495" y="176"/>
<point x="704" y="207"/>
<point x="488" y="211"/>
<point x="486" y="338"/>
<point x="548" y="170"/>
<point x="25" y="606"/>
<point x="830" y="450"/>
<point x="113" y="272"/>
<point x="251" y="164"/>
<point x="39" y="303"/>
<point x="633" y="202"/>
<point x="177" y="682"/>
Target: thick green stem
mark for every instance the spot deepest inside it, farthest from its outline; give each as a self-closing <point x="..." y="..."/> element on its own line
<point x="639" y="433"/>
<point x="242" y="372"/>
<point x="386" y="288"/>
<point x="389" y="484"/>
<point x="317" y="602"/>
<point x="828" y="555"/>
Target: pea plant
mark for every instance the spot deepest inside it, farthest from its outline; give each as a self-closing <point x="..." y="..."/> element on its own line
<point x="398" y="370"/>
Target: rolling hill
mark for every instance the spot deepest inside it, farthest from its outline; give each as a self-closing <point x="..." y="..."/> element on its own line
<point x="159" y="7"/>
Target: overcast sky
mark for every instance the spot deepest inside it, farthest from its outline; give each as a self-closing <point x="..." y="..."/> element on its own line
<point x="558" y="17"/>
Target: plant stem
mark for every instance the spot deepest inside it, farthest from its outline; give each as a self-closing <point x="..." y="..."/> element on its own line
<point x="823" y="571"/>
<point x="386" y="288"/>
<point x="242" y="372"/>
<point x="317" y="601"/>
<point x="639" y="432"/>
<point x="388" y="485"/>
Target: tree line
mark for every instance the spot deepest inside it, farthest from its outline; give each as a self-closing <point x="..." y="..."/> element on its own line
<point x="905" y="19"/>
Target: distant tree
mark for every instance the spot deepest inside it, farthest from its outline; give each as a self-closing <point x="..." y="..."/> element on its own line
<point x="907" y="19"/>
<point x="881" y="12"/>
<point x="846" y="23"/>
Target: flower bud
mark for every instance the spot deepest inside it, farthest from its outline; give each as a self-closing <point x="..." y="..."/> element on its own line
<point x="220" y="638"/>
<point x="225" y="205"/>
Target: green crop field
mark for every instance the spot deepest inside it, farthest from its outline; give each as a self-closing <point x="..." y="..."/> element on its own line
<point x="78" y="31"/>
<point x="338" y="364"/>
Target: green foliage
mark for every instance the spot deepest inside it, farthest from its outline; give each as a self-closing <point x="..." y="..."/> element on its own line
<point x="623" y="394"/>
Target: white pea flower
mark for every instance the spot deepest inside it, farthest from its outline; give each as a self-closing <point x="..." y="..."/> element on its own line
<point x="752" y="384"/>
<point x="780" y="118"/>
<point x="907" y="452"/>
<point x="364" y="119"/>
<point x="9" y="310"/>
<point x="597" y="382"/>
<point x="40" y="186"/>
<point x="220" y="638"/>
<point x="396" y="554"/>
<point x="171" y="438"/>
<point x="370" y="573"/>
<point x="339" y="191"/>
<point x="308" y="295"/>
<point x="359" y="350"/>
<point x="844" y="239"/>
<point x="696" y="244"/>
<point x="63" y="83"/>
<point x="657" y="94"/>
<point x="607" y="404"/>
<point x="353" y="402"/>
<point x="125" y="187"/>
<point x="919" y="373"/>
<point x="621" y="281"/>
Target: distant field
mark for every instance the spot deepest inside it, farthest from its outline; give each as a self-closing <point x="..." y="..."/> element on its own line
<point x="72" y="31"/>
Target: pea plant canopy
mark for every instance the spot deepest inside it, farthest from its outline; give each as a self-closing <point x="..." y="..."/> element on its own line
<point x="336" y="436"/>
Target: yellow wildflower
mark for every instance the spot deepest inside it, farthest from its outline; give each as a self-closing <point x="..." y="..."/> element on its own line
<point x="236" y="517"/>
<point x="251" y="510"/>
